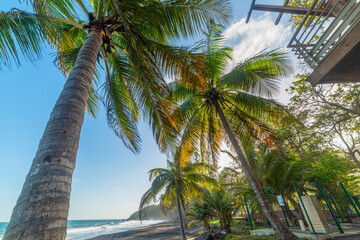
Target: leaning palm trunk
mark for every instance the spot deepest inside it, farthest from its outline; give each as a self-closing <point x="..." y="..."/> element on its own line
<point x="42" y="208"/>
<point x="283" y="232"/>
<point x="181" y="218"/>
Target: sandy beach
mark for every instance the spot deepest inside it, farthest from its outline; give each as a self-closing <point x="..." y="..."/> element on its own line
<point x="160" y="231"/>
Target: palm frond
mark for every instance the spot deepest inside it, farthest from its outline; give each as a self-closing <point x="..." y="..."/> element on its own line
<point x="60" y="9"/>
<point x="92" y="105"/>
<point x="195" y="15"/>
<point x="259" y="74"/>
<point x="22" y="32"/>
<point x="120" y="107"/>
<point x="146" y="199"/>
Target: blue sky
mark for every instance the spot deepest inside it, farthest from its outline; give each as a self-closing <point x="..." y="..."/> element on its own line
<point x="109" y="179"/>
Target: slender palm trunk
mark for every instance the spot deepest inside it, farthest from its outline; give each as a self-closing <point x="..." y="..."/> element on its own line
<point x="42" y="208"/>
<point x="283" y="232"/>
<point x="227" y="224"/>
<point x="289" y="213"/>
<point x="208" y="226"/>
<point x="181" y="218"/>
<point x="185" y="221"/>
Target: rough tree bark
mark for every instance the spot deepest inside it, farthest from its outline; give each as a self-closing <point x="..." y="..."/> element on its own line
<point x="353" y="157"/>
<point x="283" y="232"/>
<point x="350" y="147"/>
<point x="42" y="208"/>
<point x="181" y="218"/>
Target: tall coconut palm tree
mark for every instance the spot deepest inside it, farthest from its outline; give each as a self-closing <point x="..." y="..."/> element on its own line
<point x="232" y="106"/>
<point x="129" y="38"/>
<point x="180" y="184"/>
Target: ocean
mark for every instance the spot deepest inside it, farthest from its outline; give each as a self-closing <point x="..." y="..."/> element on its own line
<point x="84" y="229"/>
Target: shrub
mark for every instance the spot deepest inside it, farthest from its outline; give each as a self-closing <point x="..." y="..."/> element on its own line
<point x="250" y="237"/>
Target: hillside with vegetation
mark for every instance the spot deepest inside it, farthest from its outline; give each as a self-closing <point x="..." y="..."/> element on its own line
<point x="152" y="212"/>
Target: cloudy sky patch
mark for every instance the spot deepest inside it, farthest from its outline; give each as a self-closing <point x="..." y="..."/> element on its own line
<point x="259" y="34"/>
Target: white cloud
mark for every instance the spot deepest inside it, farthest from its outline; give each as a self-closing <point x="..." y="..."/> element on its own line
<point x="258" y="35"/>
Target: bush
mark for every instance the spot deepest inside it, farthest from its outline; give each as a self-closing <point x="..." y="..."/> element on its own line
<point x="250" y="237"/>
<point x="244" y="230"/>
<point x="241" y="230"/>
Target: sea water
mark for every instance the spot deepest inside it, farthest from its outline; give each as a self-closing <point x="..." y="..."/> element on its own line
<point x="84" y="229"/>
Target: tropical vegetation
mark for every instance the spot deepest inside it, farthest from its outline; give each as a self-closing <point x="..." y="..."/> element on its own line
<point x="211" y="109"/>
<point x="274" y="145"/>
<point x="232" y="106"/>
<point x="179" y="182"/>
<point x="130" y="39"/>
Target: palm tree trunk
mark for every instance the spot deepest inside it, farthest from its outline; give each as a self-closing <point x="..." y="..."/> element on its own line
<point x="227" y="222"/>
<point x="289" y="213"/>
<point x="185" y="221"/>
<point x="42" y="208"/>
<point x="181" y="218"/>
<point x="283" y="232"/>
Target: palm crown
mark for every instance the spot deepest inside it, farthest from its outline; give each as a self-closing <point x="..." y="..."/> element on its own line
<point x="135" y="52"/>
<point x="186" y="181"/>
<point x="240" y="93"/>
<point x="179" y="183"/>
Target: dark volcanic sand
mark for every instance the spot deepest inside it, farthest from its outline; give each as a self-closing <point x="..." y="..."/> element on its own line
<point x="160" y="231"/>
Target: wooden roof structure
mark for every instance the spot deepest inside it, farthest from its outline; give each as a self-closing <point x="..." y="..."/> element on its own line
<point x="327" y="38"/>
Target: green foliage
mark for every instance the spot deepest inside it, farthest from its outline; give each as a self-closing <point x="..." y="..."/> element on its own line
<point x="185" y="181"/>
<point x="201" y="213"/>
<point x="330" y="116"/>
<point x="22" y="33"/>
<point x="296" y="19"/>
<point x="152" y="212"/>
<point x="323" y="140"/>
<point x="244" y="230"/>
<point x="237" y="93"/>
<point x="250" y="237"/>
<point x="218" y="205"/>
<point x="135" y="52"/>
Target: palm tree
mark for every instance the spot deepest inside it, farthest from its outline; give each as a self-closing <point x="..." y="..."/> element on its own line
<point x="180" y="184"/>
<point x="229" y="106"/>
<point x="223" y="205"/>
<point x="200" y="213"/>
<point x="129" y="38"/>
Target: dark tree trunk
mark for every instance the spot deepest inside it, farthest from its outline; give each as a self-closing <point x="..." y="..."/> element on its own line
<point x="222" y="228"/>
<point x="300" y="214"/>
<point x="208" y="226"/>
<point x="42" y="208"/>
<point x="228" y="224"/>
<point x="289" y="213"/>
<point x="283" y="232"/>
<point x="181" y="218"/>
<point x="184" y="217"/>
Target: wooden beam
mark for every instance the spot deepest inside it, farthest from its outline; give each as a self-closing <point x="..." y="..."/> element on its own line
<point x="280" y="14"/>
<point x="289" y="9"/>
<point x="329" y="69"/>
<point x="346" y="75"/>
<point x="250" y="11"/>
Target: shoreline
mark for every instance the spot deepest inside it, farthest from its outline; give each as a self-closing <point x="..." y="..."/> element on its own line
<point x="159" y="231"/>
